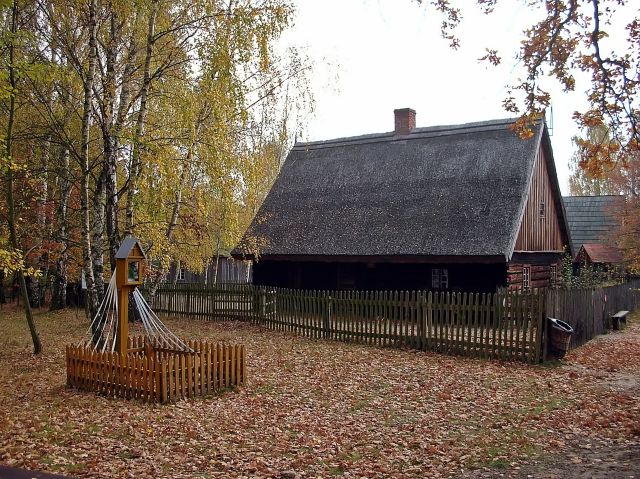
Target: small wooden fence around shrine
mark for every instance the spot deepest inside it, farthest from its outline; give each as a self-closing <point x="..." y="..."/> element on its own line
<point x="157" y="375"/>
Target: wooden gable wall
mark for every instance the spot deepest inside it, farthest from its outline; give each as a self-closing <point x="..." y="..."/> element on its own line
<point x="540" y="232"/>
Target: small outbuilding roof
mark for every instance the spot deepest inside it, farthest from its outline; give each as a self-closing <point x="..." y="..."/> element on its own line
<point x="600" y="253"/>
<point x="455" y="190"/>
<point x="592" y="219"/>
<point x="127" y="245"/>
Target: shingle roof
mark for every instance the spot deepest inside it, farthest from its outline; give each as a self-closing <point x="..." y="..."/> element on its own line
<point x="591" y="219"/>
<point x="448" y="190"/>
<point x="126" y="246"/>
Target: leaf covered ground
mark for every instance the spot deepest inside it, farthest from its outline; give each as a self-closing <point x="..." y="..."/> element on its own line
<point x="323" y="409"/>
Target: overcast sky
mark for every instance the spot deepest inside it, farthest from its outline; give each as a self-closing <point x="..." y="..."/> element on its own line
<point x="372" y="56"/>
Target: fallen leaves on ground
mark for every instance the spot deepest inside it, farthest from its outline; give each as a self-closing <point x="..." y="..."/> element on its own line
<point x="311" y="409"/>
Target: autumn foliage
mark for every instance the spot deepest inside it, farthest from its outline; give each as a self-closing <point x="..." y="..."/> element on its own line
<point x="165" y="120"/>
<point x="571" y="42"/>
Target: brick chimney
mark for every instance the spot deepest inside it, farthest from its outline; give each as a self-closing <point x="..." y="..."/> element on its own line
<point x="405" y="121"/>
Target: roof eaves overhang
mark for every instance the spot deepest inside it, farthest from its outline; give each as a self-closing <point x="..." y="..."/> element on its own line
<point x="406" y="259"/>
<point x="555" y="186"/>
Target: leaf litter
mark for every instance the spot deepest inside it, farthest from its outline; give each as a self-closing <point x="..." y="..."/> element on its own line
<point x="317" y="409"/>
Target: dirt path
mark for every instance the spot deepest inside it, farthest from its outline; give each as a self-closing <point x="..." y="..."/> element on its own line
<point x="613" y="362"/>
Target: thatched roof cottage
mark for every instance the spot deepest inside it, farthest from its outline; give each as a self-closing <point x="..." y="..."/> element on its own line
<point x="462" y="207"/>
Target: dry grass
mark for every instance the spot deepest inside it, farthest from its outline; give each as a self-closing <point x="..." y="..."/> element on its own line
<point x="310" y="408"/>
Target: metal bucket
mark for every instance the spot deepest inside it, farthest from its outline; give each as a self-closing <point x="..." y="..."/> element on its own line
<point x="559" y="337"/>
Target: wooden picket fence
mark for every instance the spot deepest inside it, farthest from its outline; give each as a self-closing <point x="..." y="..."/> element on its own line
<point x="156" y="374"/>
<point x="507" y="326"/>
<point x="230" y="300"/>
<point x="588" y="310"/>
<point x="477" y="325"/>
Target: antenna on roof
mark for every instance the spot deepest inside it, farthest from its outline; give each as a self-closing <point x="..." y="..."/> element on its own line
<point x="549" y="118"/>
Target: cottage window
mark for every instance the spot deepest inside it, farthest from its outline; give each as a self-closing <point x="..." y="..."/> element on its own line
<point x="542" y="209"/>
<point x="526" y="277"/>
<point x="181" y="274"/>
<point x="440" y="278"/>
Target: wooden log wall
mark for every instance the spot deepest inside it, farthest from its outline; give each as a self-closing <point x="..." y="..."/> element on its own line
<point x="159" y="375"/>
<point x="539" y="275"/>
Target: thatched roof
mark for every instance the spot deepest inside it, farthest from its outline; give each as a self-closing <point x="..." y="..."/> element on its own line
<point x="440" y="191"/>
<point x="592" y="219"/>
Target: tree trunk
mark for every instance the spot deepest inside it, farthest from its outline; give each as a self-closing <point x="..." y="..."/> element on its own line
<point x="60" y="279"/>
<point x="223" y="218"/>
<point x="136" y="164"/>
<point x="177" y="273"/>
<point x="45" y="223"/>
<point x="175" y="213"/>
<point x="215" y="274"/>
<point x="110" y="131"/>
<point x="111" y="198"/>
<point x="91" y="303"/>
<point x="97" y="237"/>
<point x="38" y="285"/>
<point x="11" y="215"/>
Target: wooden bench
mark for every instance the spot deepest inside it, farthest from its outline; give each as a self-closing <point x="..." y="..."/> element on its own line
<point x="619" y="318"/>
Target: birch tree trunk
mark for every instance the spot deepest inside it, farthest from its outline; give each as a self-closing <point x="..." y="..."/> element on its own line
<point x="112" y="123"/>
<point x="177" y="273"/>
<point x="59" y="278"/>
<point x="38" y="285"/>
<point x="175" y="212"/>
<point x="91" y="306"/>
<point x="136" y="164"/>
<point x="97" y="236"/>
<point x="215" y="274"/>
<point x="108" y="141"/>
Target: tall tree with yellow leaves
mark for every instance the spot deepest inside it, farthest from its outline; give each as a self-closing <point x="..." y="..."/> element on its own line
<point x="12" y="259"/>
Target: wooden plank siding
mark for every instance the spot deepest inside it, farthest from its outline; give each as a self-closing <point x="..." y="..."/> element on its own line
<point x="540" y="232"/>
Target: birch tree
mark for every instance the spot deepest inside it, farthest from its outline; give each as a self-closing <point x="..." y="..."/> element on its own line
<point x="9" y="88"/>
<point x="149" y="118"/>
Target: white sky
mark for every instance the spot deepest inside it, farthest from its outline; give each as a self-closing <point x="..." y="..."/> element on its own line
<point x="372" y="56"/>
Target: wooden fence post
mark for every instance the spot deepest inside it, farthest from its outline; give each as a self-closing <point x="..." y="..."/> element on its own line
<point x="327" y="316"/>
<point x="427" y="313"/>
